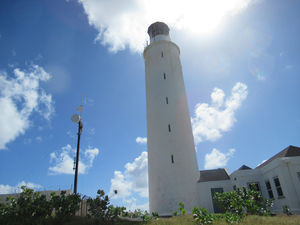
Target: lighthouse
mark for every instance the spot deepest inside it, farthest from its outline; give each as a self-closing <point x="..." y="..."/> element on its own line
<point x="172" y="164"/>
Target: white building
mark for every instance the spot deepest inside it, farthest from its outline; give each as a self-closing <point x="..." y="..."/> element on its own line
<point x="172" y="165"/>
<point x="278" y="178"/>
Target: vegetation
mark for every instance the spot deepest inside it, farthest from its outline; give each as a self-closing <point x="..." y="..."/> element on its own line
<point x="181" y="208"/>
<point x="286" y="210"/>
<point x="247" y="220"/>
<point x="242" y="206"/>
<point x="33" y="208"/>
<point x="202" y="216"/>
<point x="243" y="201"/>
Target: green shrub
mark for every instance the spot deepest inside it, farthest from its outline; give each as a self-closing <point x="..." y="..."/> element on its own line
<point x="99" y="207"/>
<point x="146" y="216"/>
<point x="232" y="217"/>
<point x="244" y="201"/>
<point x="65" y="206"/>
<point x="202" y="216"/>
<point x="181" y="208"/>
<point x="286" y="210"/>
<point x="155" y="215"/>
<point x="29" y="208"/>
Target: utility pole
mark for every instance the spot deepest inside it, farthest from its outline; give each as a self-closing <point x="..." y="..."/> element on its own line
<point x="77" y="156"/>
<point x="77" y="119"/>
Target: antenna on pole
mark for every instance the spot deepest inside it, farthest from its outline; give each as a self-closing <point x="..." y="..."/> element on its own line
<point x="77" y="119"/>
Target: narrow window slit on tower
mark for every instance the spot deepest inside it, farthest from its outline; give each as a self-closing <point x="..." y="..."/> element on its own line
<point x="172" y="158"/>
<point x="169" y="126"/>
<point x="167" y="100"/>
<point x="162" y="54"/>
<point x="164" y="76"/>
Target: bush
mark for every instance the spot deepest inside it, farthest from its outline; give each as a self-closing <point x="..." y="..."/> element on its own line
<point x="155" y="215"/>
<point x="286" y="210"/>
<point x="181" y="208"/>
<point x="99" y="207"/>
<point x="232" y="218"/>
<point x="29" y="208"/>
<point x="65" y="206"/>
<point x="242" y="200"/>
<point x="146" y="216"/>
<point x="33" y="208"/>
<point x="202" y="216"/>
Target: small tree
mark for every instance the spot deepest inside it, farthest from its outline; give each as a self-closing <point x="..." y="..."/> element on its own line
<point x="99" y="207"/>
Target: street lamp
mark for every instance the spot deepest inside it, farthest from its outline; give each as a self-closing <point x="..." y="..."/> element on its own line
<point x="77" y="119"/>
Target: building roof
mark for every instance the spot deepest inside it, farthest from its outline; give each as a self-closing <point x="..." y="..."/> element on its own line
<point x="290" y="151"/>
<point x="244" y="167"/>
<point x="213" y="175"/>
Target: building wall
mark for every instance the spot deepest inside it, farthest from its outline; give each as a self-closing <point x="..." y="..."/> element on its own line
<point x="204" y="189"/>
<point x="286" y="169"/>
<point x="241" y="178"/>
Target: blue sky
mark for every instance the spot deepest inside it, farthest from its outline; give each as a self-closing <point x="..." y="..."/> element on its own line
<point x="240" y="65"/>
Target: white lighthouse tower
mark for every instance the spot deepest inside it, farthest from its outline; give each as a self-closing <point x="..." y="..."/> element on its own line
<point x="172" y="164"/>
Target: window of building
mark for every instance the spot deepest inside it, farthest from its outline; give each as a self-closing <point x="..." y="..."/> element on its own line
<point x="172" y="158"/>
<point x="169" y="127"/>
<point x="298" y="173"/>
<point x="167" y="100"/>
<point x="234" y="187"/>
<point x="269" y="189"/>
<point x="254" y="186"/>
<point x="162" y="54"/>
<point x="164" y="76"/>
<point x="278" y="187"/>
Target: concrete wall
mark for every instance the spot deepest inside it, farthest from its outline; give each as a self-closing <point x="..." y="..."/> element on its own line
<point x="204" y="189"/>
<point x="241" y="178"/>
<point x="286" y="169"/>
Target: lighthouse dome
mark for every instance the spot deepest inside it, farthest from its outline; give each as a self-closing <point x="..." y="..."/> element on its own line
<point x="158" y="31"/>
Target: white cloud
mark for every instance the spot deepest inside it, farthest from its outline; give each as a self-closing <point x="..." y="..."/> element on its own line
<point x="7" y="189"/>
<point x="134" y="180"/>
<point x="20" y="96"/>
<point x="121" y="185"/>
<point x="210" y="121"/>
<point x="131" y="205"/>
<point x="217" y="159"/>
<point x="141" y="140"/>
<point x="39" y="138"/>
<point x="63" y="161"/>
<point x="122" y="24"/>
<point x="70" y="134"/>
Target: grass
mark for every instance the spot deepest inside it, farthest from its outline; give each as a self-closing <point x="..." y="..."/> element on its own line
<point x="188" y="220"/>
<point x="249" y="220"/>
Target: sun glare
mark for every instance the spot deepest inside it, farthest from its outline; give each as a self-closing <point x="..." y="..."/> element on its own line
<point x="196" y="16"/>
